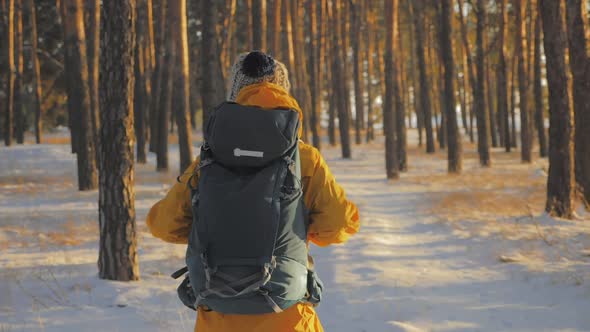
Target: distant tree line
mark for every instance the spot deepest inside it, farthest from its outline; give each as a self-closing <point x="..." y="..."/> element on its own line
<point x="486" y="72"/>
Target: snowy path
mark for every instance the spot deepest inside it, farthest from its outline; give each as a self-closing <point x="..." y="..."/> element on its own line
<point x="405" y="270"/>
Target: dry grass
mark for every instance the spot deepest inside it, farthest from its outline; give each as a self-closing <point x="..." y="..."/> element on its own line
<point x="58" y="140"/>
<point x="71" y="233"/>
<point x="30" y="184"/>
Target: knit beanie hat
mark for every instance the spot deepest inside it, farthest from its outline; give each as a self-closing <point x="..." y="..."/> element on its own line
<point x="256" y="67"/>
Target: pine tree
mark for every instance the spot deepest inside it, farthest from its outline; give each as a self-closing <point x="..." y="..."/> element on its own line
<point x="453" y="137"/>
<point x="181" y="100"/>
<point x="117" y="259"/>
<point x="79" y="94"/>
<point x="538" y="91"/>
<point x="37" y="89"/>
<point x="9" y="112"/>
<point x="580" y="68"/>
<point x="561" y="179"/>
<point x="19" y="96"/>
<point x="520" y="48"/>
<point x="389" y="126"/>
<point x="501" y="79"/>
<point x="425" y="102"/>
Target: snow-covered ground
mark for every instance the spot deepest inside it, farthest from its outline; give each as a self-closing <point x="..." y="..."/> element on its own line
<point x="435" y="253"/>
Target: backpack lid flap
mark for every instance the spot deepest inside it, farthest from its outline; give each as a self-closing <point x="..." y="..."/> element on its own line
<point x="248" y="136"/>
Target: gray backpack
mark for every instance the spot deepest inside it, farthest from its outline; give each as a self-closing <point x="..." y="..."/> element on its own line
<point x="247" y="250"/>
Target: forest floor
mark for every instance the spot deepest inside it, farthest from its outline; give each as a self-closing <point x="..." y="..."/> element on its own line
<point x="436" y="252"/>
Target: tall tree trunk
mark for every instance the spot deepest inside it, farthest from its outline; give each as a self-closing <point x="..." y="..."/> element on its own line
<point x="453" y="136"/>
<point x="369" y="55"/>
<point x="479" y="93"/>
<point x="339" y="77"/>
<point x="467" y="72"/>
<point x="140" y="89"/>
<point x="491" y="114"/>
<point x="227" y="36"/>
<point x="212" y="84"/>
<point x="425" y="102"/>
<point x="289" y="44"/>
<point x="580" y="67"/>
<point x="389" y="119"/>
<point x="414" y="79"/>
<point x="315" y="68"/>
<point x="501" y="80"/>
<point x="181" y="103"/>
<point x="117" y="259"/>
<point x="249" y="22"/>
<point x="19" y="100"/>
<point x="328" y="62"/>
<point x="359" y="93"/>
<point x="561" y="179"/>
<point x="538" y="91"/>
<point x="158" y="77"/>
<point x="398" y="90"/>
<point x="513" y="75"/>
<point x="9" y="111"/>
<point x="259" y="28"/>
<point x="274" y="31"/>
<point x="68" y="73"/>
<point x="302" y="88"/>
<point x="37" y="89"/>
<point x="93" y="33"/>
<point x="521" y="47"/>
<point x="165" y="99"/>
<point x="79" y="94"/>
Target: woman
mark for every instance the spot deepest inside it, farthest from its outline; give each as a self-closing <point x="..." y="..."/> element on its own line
<point x="259" y="80"/>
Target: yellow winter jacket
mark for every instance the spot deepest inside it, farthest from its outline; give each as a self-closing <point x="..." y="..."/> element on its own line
<point x="333" y="220"/>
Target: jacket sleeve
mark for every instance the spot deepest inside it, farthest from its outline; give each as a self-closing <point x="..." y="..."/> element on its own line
<point x="333" y="217"/>
<point x="171" y="218"/>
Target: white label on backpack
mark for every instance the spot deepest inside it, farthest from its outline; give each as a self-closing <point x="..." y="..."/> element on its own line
<point x="247" y="153"/>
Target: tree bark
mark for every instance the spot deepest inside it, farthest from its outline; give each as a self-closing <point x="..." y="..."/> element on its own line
<point x="520" y="48"/>
<point x="79" y="94"/>
<point x="425" y="102"/>
<point x="389" y="125"/>
<point x="212" y="84"/>
<point x="19" y="115"/>
<point x="140" y="89"/>
<point x="157" y="81"/>
<point x="513" y="75"/>
<point x="328" y="62"/>
<point x="398" y="90"/>
<point x="538" y="91"/>
<point x="302" y="88"/>
<point x="453" y="136"/>
<point x="249" y="22"/>
<point x="400" y="108"/>
<point x="9" y="112"/>
<point x="501" y="79"/>
<point x="483" y="130"/>
<point x="315" y="68"/>
<point x="165" y="99"/>
<point x="117" y="259"/>
<point x="339" y="71"/>
<point x="369" y="55"/>
<point x="561" y="179"/>
<point x="259" y="28"/>
<point x="181" y="103"/>
<point x="359" y="93"/>
<point x="580" y="68"/>
<point x="274" y="32"/>
<point x="93" y="32"/>
<point x="37" y="88"/>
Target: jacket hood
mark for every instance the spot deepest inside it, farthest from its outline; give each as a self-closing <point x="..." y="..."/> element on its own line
<point x="269" y="96"/>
